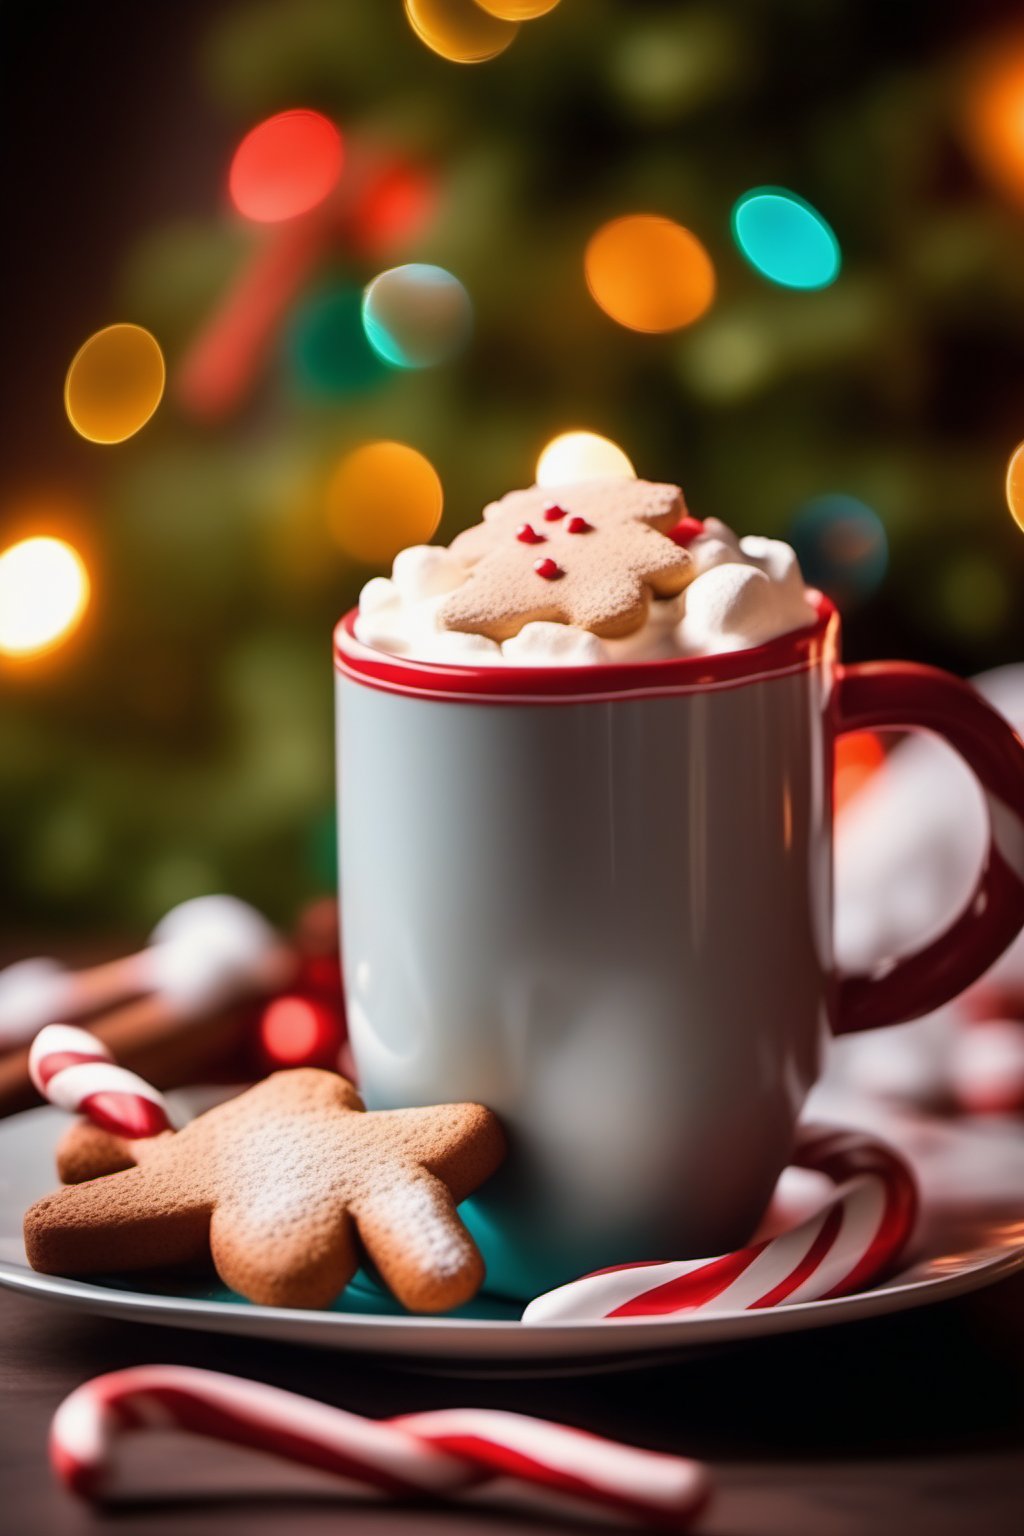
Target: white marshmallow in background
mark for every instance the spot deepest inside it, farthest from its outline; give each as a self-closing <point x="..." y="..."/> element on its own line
<point x="554" y="645"/>
<point x="909" y="848"/>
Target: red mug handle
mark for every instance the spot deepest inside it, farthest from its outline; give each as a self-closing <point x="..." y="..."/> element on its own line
<point x="897" y="695"/>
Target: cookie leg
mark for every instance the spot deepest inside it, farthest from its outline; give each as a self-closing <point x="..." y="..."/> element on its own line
<point x="284" y="1259"/>
<point x="414" y="1236"/>
<point x="86" y="1152"/>
<point x="125" y="1221"/>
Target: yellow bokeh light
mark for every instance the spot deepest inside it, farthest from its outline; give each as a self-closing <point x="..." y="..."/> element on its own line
<point x="576" y="456"/>
<point x="115" y="383"/>
<point x="517" y="10"/>
<point x="649" y="273"/>
<point x="44" y="591"/>
<point x="1015" y="485"/>
<point x="460" y="30"/>
<point x="382" y="497"/>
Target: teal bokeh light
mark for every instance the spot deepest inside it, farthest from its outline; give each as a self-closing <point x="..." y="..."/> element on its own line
<point x="785" y="239"/>
<point x="327" y="347"/>
<point x="842" y="547"/>
<point x="416" y="316"/>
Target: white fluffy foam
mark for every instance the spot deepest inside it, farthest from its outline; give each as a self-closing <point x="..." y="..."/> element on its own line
<point x="747" y="591"/>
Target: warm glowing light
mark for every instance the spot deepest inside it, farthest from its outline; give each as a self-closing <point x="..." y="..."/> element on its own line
<point x="285" y="166"/>
<point x="382" y="497"/>
<point x="858" y="755"/>
<point x="517" y="10"/>
<point x="1015" y="484"/>
<point x="995" y="117"/>
<point x="582" y="456"/>
<point x="299" y="1031"/>
<point x="785" y="239"/>
<point x="115" y="383"/>
<point x="44" y="591"/>
<point x="416" y="316"/>
<point x="649" y="273"/>
<point x="460" y="30"/>
<point x="842" y="547"/>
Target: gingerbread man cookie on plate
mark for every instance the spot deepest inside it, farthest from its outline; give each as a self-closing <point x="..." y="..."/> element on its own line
<point x="286" y="1188"/>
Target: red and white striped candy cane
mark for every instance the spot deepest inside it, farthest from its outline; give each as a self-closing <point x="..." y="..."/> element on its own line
<point x="436" y="1455"/>
<point x="74" y="1070"/>
<point x="849" y="1242"/>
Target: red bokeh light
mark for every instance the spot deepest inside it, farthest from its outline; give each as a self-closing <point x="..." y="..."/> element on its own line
<point x="300" y="1032"/>
<point x="285" y="166"/>
<point x="396" y="206"/>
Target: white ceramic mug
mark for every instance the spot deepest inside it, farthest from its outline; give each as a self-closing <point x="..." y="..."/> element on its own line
<point x="599" y="900"/>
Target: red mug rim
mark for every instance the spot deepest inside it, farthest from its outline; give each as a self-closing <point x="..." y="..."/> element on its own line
<point x="796" y="651"/>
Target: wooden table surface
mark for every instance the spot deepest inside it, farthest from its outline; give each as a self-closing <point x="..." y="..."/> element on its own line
<point x="913" y="1423"/>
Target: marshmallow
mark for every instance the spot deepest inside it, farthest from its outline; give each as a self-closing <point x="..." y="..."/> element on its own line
<point x="746" y="591"/>
<point x="426" y="570"/>
<point x="206" y="948"/>
<point x="379" y="593"/>
<point x="553" y="645"/>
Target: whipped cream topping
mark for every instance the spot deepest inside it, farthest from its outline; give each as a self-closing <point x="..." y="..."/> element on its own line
<point x="746" y="591"/>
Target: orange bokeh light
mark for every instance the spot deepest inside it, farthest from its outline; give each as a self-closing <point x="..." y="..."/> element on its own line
<point x="994" y="117"/>
<point x="1015" y="485"/>
<point x="859" y="754"/>
<point x="285" y="166"/>
<point x="460" y="30"/>
<point x="382" y="497"/>
<point x="649" y="273"/>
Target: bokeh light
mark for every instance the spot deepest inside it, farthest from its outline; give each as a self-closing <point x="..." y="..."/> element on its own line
<point x="517" y="10"/>
<point x="995" y="116"/>
<point x="327" y="346"/>
<point x="44" y="591"/>
<point x="416" y="316"/>
<point x="859" y="754"/>
<point x="285" y="166"/>
<point x="1015" y="485"/>
<point x="114" y="384"/>
<point x="382" y="497"/>
<point x="785" y="239"/>
<point x="300" y="1031"/>
<point x="582" y="456"/>
<point x="460" y="30"/>
<point x="649" y="273"/>
<point x="394" y="207"/>
<point x="842" y="547"/>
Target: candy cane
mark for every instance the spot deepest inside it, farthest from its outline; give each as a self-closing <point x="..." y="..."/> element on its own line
<point x="74" y="1070"/>
<point x="437" y="1455"/>
<point x="850" y="1241"/>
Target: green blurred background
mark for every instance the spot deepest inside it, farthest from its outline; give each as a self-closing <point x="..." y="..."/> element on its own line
<point x="181" y="741"/>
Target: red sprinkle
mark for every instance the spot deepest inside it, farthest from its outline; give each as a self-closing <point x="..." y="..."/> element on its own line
<point x="686" y="531"/>
<point x="548" y="569"/>
<point x="527" y="535"/>
<point x="578" y="525"/>
<point x="554" y="512"/>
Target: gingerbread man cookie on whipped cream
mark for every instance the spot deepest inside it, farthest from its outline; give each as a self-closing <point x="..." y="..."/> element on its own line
<point x="583" y="574"/>
<point x="592" y="556"/>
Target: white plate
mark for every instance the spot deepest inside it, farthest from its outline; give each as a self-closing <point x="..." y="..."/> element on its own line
<point x="971" y="1233"/>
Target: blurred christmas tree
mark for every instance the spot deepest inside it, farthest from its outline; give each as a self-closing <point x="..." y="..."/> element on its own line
<point x="182" y="741"/>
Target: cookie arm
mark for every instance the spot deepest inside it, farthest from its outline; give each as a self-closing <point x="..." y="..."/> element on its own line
<point x="301" y="1259"/>
<point x="414" y="1236"/>
<point x="126" y="1221"/>
<point x="86" y="1152"/>
<point x="462" y="1144"/>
